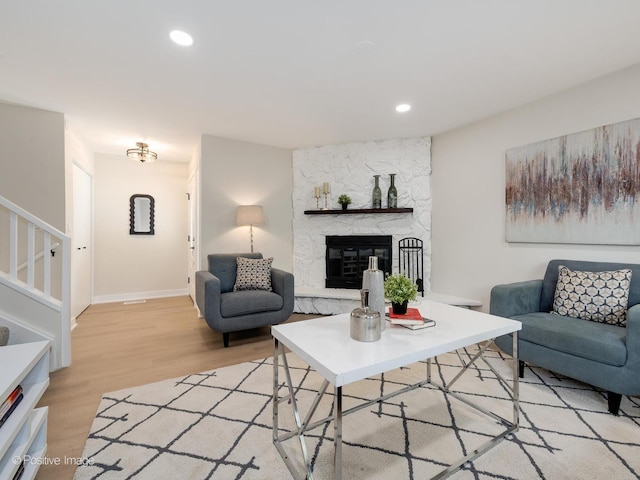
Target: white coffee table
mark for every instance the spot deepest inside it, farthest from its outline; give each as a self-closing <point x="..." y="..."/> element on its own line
<point x="326" y="346"/>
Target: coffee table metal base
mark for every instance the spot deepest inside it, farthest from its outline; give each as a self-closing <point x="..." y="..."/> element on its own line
<point x="305" y="425"/>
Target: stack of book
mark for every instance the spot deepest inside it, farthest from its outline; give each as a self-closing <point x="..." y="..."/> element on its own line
<point x="413" y="319"/>
<point x="10" y="404"/>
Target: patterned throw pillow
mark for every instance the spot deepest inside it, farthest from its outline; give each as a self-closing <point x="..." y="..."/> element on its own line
<point x="253" y="274"/>
<point x="598" y="296"/>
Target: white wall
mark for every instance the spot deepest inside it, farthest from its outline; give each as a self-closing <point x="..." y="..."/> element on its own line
<point x="32" y="161"/>
<point x="469" y="252"/>
<point x="75" y="152"/>
<point x="236" y="173"/>
<point x="139" y="266"/>
<point x="32" y="175"/>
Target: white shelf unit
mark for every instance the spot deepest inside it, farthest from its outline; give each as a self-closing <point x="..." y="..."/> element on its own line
<point x="24" y="434"/>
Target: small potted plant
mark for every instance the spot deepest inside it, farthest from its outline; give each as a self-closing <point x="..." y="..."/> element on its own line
<point x="344" y="200"/>
<point x="399" y="289"/>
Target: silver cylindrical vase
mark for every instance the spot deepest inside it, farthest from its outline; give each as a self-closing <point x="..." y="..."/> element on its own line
<point x="365" y="323"/>
<point x="373" y="280"/>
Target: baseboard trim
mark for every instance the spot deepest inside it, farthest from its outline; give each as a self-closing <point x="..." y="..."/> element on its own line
<point x="127" y="297"/>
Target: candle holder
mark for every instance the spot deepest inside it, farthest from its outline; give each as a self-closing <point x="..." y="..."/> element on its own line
<point x="326" y="202"/>
<point x="326" y="189"/>
<point x="317" y="196"/>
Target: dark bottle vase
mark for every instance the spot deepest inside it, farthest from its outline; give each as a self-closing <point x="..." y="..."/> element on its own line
<point x="376" y="195"/>
<point x="392" y="194"/>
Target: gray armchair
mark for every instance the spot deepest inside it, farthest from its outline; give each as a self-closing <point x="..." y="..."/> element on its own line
<point x="228" y="311"/>
<point x="603" y="355"/>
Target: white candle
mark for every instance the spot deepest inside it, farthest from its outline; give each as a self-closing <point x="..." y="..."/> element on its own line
<point x="325" y="186"/>
<point x="316" y="192"/>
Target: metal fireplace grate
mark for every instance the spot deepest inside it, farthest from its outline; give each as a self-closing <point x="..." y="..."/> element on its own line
<point x="411" y="260"/>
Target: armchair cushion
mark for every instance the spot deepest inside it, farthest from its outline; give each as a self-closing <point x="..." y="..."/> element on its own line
<point x="597" y="296"/>
<point x="253" y="274"/>
<point x="590" y="340"/>
<point x="246" y="302"/>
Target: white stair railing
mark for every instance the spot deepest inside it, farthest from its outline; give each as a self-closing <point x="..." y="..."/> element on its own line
<point x="38" y="256"/>
<point x="31" y="242"/>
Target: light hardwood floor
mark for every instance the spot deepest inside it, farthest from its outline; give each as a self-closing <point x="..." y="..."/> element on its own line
<point x="117" y="346"/>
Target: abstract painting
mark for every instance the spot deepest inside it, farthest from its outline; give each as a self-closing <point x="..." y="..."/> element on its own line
<point x="581" y="188"/>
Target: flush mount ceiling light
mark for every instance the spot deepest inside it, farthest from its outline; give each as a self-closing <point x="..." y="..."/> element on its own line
<point x="181" y="38"/>
<point x="403" y="107"/>
<point x="142" y="153"/>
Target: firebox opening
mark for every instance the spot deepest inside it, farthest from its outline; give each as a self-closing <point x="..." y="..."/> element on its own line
<point x="347" y="256"/>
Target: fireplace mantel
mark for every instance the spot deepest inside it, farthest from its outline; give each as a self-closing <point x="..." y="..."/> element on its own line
<point x="358" y="210"/>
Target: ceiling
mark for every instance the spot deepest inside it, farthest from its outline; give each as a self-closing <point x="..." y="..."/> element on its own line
<point x="291" y="73"/>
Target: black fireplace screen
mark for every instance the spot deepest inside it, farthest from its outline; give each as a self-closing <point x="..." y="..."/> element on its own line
<point x="348" y="256"/>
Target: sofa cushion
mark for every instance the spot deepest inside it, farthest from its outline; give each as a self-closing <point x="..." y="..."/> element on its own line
<point x="599" y="342"/>
<point x="597" y="296"/>
<point x="246" y="302"/>
<point x="253" y="274"/>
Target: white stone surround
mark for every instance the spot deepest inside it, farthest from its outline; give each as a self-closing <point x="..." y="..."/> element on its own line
<point x="332" y="301"/>
<point x="349" y="169"/>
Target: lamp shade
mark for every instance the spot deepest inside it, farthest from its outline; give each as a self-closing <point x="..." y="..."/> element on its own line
<point x="249" y="215"/>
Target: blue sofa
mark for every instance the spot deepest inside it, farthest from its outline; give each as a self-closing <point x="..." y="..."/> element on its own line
<point x="227" y="311"/>
<point x="603" y="355"/>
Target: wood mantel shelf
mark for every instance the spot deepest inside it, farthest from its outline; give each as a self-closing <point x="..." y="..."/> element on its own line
<point x="351" y="211"/>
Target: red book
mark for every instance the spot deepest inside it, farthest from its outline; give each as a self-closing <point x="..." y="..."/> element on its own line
<point x="412" y="317"/>
<point x="11" y="409"/>
<point x="10" y="399"/>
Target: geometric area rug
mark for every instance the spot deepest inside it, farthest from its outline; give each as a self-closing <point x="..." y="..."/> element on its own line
<point x="217" y="425"/>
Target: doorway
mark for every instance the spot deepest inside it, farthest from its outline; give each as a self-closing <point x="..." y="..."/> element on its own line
<point x="81" y="242"/>
<point x="192" y="250"/>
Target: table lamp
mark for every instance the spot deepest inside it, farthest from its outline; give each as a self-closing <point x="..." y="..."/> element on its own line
<point x="250" y="215"/>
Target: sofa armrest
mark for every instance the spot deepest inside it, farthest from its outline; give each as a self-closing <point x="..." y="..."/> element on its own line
<point x="633" y="335"/>
<point x="282" y="284"/>
<point x="208" y="294"/>
<point x="515" y="298"/>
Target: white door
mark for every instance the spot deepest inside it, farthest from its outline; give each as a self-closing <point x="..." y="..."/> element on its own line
<point x="81" y="242"/>
<point x="192" y="251"/>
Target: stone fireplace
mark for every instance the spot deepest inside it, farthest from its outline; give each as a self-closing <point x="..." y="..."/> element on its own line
<point x="349" y="169"/>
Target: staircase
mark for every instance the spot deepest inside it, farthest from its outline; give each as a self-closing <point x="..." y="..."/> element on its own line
<point x="35" y="264"/>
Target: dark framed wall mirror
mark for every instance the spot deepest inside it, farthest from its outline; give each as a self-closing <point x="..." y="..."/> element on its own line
<point x="141" y="214"/>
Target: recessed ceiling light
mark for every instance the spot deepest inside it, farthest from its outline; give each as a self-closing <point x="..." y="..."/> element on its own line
<point x="403" y="107"/>
<point x="365" y="47"/>
<point x="181" y="38"/>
